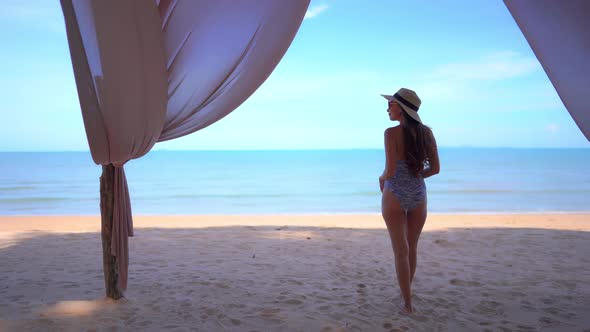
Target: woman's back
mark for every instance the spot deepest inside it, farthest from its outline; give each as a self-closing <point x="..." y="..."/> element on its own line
<point x="426" y="152"/>
<point x="397" y="138"/>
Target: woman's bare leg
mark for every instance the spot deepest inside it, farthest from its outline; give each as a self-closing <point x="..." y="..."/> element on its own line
<point x="416" y="219"/>
<point x="395" y="219"/>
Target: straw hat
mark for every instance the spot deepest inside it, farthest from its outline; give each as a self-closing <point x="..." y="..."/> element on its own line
<point x="408" y="100"/>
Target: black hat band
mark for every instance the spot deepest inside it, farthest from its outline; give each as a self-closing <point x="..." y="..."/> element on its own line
<point x="405" y="102"/>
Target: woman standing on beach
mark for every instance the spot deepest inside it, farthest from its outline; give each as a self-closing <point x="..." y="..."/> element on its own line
<point x="410" y="156"/>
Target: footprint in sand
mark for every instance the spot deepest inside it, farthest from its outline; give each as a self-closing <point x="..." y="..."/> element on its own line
<point x="459" y="282"/>
<point x="210" y="311"/>
<point x="517" y="294"/>
<point x="566" y="285"/>
<point x="443" y="243"/>
<point x="362" y="291"/>
<point x="526" y="306"/>
<point x="548" y="321"/>
<point x="488" y="308"/>
<point x="269" y="312"/>
<point x="72" y="286"/>
<point x="559" y="313"/>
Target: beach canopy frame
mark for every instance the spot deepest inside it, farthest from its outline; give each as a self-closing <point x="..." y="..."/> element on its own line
<point x="151" y="71"/>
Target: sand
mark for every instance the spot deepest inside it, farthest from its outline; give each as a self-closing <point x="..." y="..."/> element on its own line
<point x="298" y="273"/>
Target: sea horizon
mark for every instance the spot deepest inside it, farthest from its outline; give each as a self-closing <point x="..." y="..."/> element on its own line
<point x="314" y="149"/>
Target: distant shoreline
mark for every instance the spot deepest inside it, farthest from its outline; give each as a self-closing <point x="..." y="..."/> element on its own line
<point x="311" y="214"/>
<point x="91" y="223"/>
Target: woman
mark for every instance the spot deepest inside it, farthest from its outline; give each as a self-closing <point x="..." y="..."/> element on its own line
<point x="410" y="156"/>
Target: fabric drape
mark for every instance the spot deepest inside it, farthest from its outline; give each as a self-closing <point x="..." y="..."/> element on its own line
<point x="559" y="34"/>
<point x="220" y="57"/>
<point x="149" y="71"/>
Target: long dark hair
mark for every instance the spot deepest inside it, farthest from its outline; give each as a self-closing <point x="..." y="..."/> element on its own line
<point x="418" y="144"/>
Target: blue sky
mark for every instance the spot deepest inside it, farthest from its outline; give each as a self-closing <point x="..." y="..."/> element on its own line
<point x="478" y="79"/>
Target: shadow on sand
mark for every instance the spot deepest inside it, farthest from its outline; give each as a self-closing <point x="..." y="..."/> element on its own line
<point x="299" y="278"/>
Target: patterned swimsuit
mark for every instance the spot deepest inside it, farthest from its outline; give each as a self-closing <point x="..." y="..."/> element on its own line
<point x="409" y="190"/>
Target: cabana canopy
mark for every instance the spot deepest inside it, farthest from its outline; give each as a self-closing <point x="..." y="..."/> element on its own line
<point x="149" y="71"/>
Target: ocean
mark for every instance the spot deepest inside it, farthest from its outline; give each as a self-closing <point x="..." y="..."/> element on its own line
<point x="472" y="180"/>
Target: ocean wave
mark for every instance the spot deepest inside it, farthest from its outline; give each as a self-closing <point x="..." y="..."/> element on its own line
<point x="24" y="200"/>
<point x="255" y="195"/>
<point x="507" y="191"/>
<point x="17" y="188"/>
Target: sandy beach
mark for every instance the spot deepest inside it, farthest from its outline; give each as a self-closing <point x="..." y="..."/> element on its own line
<point x="527" y="272"/>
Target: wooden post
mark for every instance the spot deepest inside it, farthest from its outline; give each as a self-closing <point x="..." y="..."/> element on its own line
<point x="107" y="195"/>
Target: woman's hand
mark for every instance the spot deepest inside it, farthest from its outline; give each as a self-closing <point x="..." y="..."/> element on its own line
<point x="381" y="183"/>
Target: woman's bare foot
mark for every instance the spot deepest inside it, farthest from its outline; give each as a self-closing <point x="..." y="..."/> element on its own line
<point x="403" y="307"/>
<point x="408" y="309"/>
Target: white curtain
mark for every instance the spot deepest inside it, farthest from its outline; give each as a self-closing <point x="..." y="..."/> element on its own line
<point x="217" y="59"/>
<point x="559" y="34"/>
<point x="149" y="71"/>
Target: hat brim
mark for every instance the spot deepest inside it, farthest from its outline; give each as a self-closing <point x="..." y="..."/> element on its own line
<point x="408" y="110"/>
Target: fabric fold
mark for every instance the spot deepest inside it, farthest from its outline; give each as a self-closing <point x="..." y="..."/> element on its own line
<point x="122" y="225"/>
<point x="559" y="35"/>
<point x="218" y="53"/>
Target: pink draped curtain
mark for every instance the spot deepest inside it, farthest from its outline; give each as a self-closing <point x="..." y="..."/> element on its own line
<point x="149" y="71"/>
<point x="559" y="34"/>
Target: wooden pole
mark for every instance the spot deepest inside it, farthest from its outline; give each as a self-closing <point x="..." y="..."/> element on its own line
<point x="107" y="195"/>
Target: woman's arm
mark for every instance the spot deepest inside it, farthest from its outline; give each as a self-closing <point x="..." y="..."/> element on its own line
<point x="389" y="170"/>
<point x="433" y="161"/>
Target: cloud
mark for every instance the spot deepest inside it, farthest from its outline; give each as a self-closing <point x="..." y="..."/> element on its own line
<point x="476" y="83"/>
<point x="315" y="11"/>
<point x="496" y="66"/>
<point x="552" y="128"/>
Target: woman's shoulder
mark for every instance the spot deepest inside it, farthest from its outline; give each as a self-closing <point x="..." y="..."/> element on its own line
<point x="392" y="130"/>
<point x="429" y="131"/>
